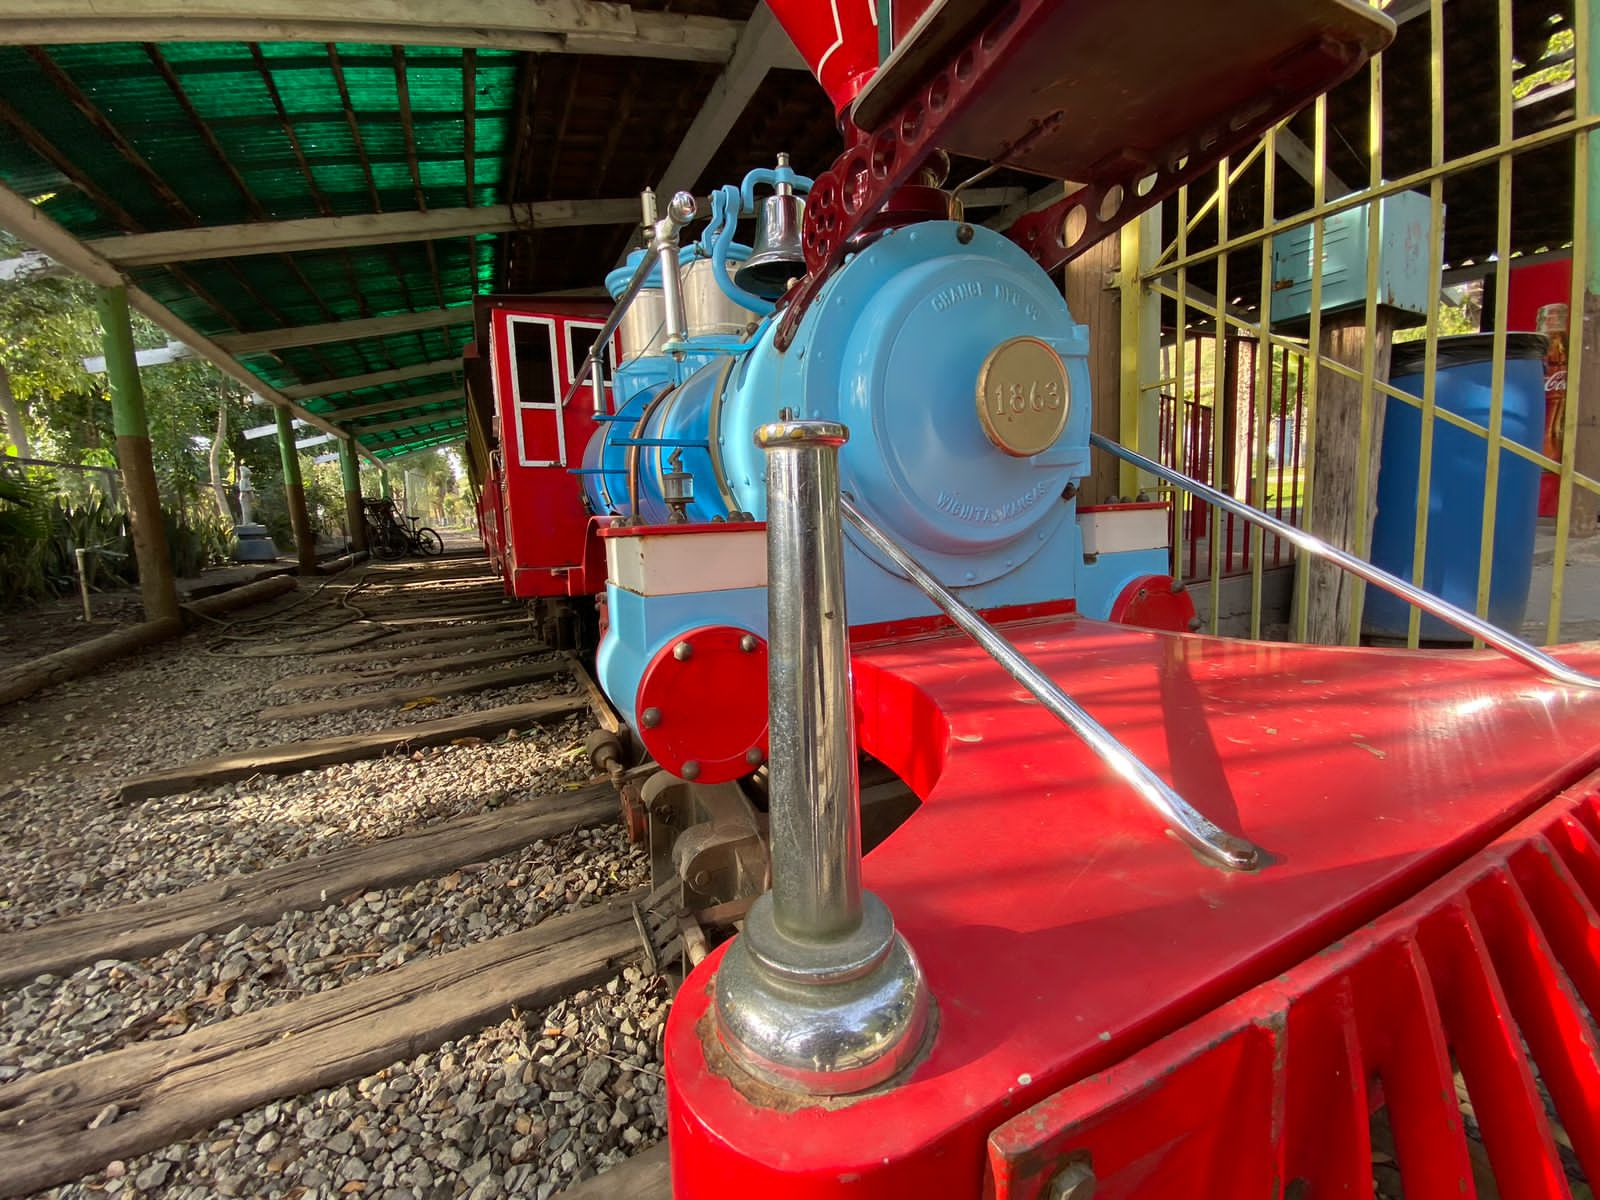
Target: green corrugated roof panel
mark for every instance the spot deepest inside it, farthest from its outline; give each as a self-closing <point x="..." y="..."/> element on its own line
<point x="386" y="452"/>
<point x="162" y="138"/>
<point x="338" y="359"/>
<point x="226" y="86"/>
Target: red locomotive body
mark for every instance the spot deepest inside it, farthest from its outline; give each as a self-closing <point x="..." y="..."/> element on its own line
<point x="1061" y="933"/>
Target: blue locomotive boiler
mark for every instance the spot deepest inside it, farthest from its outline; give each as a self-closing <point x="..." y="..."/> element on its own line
<point x="962" y="378"/>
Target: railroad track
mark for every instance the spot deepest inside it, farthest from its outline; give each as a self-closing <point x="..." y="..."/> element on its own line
<point x="385" y="649"/>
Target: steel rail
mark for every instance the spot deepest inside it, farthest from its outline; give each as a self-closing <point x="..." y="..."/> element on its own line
<point x="1212" y="842"/>
<point x="1491" y="635"/>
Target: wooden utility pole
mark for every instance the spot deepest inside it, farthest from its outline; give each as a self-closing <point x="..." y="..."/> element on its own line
<point x="1586" y="445"/>
<point x="355" y="518"/>
<point x="1333" y="515"/>
<point x="1095" y="302"/>
<point x="1586" y="435"/>
<point x="156" y="584"/>
<point x="294" y="492"/>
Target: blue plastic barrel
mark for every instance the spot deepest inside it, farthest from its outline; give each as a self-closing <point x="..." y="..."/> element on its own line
<point x="1456" y="484"/>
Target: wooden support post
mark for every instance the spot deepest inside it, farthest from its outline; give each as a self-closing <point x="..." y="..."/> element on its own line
<point x="1586" y="446"/>
<point x="355" y="519"/>
<point x="156" y="583"/>
<point x="383" y="483"/>
<point x="1095" y="302"/>
<point x="1586" y="442"/>
<point x="294" y="492"/>
<point x="1336" y="469"/>
<point x="1139" y="358"/>
<point x="1230" y="431"/>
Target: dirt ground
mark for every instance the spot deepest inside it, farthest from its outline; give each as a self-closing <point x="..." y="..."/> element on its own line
<point x="55" y="625"/>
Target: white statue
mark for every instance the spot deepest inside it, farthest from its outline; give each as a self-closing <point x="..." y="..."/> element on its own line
<point x="247" y="497"/>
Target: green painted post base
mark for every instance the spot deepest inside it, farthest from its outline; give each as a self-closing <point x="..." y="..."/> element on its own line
<point x="355" y="518"/>
<point x="294" y="492"/>
<point x="157" y="588"/>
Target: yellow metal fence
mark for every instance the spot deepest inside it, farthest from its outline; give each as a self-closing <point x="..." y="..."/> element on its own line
<point x="1177" y="283"/>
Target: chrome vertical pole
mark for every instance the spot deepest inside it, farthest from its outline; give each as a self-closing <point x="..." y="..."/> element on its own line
<point x="819" y="994"/>
<point x="816" y="817"/>
<point x="665" y="245"/>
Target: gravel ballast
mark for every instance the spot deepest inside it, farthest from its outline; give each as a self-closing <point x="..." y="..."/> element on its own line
<point x="53" y="1021"/>
<point x="98" y="854"/>
<point x="523" y="1109"/>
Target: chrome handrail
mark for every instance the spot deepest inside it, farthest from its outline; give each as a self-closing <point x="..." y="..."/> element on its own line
<point x="664" y="241"/>
<point x="1491" y="635"/>
<point x="1199" y="831"/>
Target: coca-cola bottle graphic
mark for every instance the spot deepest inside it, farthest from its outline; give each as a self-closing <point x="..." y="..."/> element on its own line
<point x="1552" y="322"/>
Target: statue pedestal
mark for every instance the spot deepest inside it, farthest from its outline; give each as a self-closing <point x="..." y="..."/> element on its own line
<point x="253" y="544"/>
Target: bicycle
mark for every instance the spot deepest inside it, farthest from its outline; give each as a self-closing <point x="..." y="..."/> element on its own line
<point x="421" y="540"/>
<point x="392" y="535"/>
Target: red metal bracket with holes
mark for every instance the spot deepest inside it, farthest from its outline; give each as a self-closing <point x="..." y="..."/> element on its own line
<point x="1002" y="91"/>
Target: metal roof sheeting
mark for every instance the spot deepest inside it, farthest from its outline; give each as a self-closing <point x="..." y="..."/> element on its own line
<point x="137" y="138"/>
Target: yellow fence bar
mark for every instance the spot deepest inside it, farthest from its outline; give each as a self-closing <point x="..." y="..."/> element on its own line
<point x="1502" y="281"/>
<point x="1219" y="380"/>
<point x="1131" y="287"/>
<point x="1312" y="369"/>
<point x="1405" y="183"/>
<point x="1369" y="345"/>
<point x="1379" y="387"/>
<point x="1263" y="384"/>
<point x="1181" y="501"/>
<point x="1430" y="388"/>
<point x="1585" y="167"/>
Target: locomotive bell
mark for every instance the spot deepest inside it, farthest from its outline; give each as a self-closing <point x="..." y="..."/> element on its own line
<point x="778" y="257"/>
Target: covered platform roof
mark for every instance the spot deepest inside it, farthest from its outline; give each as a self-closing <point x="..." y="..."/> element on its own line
<point x="313" y="202"/>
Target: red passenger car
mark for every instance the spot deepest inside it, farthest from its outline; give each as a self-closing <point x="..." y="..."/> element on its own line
<point x="531" y="512"/>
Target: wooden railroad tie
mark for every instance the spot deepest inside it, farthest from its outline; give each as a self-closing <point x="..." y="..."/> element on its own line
<point x="420" y="666"/>
<point x="168" y="1089"/>
<point x="133" y="931"/>
<point x="291" y="757"/>
<point x="463" y="685"/>
<point x="645" y="1176"/>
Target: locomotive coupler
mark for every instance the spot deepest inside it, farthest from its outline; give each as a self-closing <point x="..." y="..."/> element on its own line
<point x="819" y="994"/>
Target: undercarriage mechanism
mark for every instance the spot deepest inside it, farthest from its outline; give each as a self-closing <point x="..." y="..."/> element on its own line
<point x="708" y="844"/>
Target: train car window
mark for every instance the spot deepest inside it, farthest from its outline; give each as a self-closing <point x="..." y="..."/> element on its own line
<point x="534" y="362"/>
<point x="581" y="337"/>
<point x="536" y="391"/>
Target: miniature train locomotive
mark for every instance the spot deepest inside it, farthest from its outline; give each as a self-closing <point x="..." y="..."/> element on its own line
<point x="827" y="506"/>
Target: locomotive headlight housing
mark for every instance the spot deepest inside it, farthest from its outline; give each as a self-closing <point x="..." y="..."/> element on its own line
<point x="1023" y="397"/>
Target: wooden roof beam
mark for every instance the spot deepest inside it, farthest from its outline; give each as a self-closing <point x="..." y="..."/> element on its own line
<point x="264" y="340"/>
<point x="1401" y="11"/>
<point x="377" y="408"/>
<point x="444" y="440"/>
<point x="762" y="46"/>
<point x="542" y="26"/>
<point x="371" y="229"/>
<point x="414" y="422"/>
<point x="21" y="217"/>
<point x="356" y="383"/>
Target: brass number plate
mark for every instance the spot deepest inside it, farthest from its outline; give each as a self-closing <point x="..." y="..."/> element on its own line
<point x="1022" y="396"/>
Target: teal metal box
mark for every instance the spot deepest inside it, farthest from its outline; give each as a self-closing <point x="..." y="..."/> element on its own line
<point x="1403" y="261"/>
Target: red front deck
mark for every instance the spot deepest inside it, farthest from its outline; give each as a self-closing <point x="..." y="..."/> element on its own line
<point x="1062" y="929"/>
